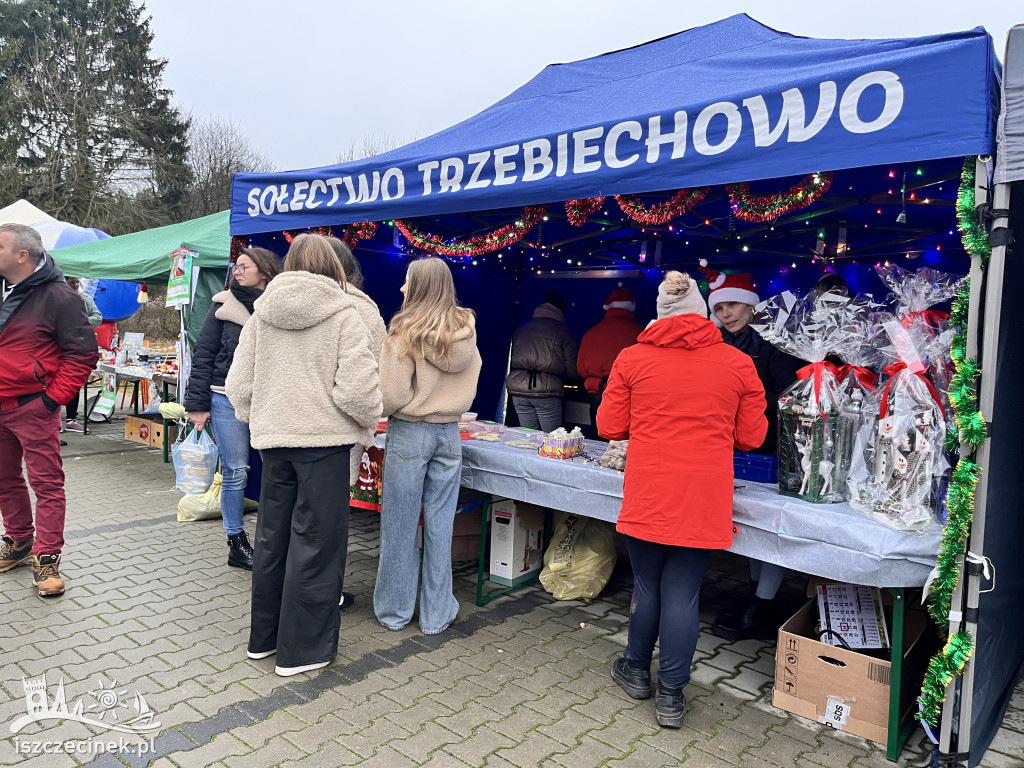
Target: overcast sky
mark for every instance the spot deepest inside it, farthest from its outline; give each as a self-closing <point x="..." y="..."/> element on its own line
<point x="304" y="79"/>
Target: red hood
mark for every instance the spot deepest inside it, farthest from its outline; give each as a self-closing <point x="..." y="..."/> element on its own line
<point x="687" y="331"/>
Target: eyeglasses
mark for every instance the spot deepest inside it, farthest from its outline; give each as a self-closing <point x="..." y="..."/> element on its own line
<point x="241" y="267"/>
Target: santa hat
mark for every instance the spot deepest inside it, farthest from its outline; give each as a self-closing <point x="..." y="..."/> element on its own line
<point x="621" y="298"/>
<point x="678" y="295"/>
<point x="736" y="287"/>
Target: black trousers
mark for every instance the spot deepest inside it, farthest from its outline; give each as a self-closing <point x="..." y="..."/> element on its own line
<point x="72" y="407"/>
<point x="301" y="543"/>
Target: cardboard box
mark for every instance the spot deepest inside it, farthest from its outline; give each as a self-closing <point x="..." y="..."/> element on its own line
<point x="139" y="429"/>
<point x="517" y="541"/>
<point x="846" y="690"/>
<point x="466" y="532"/>
<point x="156" y="433"/>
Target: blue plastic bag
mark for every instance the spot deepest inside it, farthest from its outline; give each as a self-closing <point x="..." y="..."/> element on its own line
<point x="195" y="462"/>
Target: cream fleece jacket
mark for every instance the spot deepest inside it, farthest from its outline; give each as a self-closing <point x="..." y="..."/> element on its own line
<point x="434" y="389"/>
<point x="303" y="374"/>
<point x="368" y="310"/>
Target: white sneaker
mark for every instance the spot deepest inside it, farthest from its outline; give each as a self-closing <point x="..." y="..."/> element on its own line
<point x="260" y="654"/>
<point x="73" y="425"/>
<point x="289" y="671"/>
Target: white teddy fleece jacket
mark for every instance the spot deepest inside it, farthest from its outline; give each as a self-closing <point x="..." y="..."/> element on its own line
<point x="434" y="389"/>
<point x="304" y="375"/>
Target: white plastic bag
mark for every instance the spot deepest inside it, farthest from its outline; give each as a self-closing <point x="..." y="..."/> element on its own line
<point x="195" y="462"/>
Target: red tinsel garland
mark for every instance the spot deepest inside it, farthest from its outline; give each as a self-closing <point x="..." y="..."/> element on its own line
<point x="660" y="213"/>
<point x="576" y="211"/>
<point x="478" y="244"/>
<point x="237" y="244"/>
<point x="356" y="232"/>
<point x="291" y="234"/>
<point x="761" y="208"/>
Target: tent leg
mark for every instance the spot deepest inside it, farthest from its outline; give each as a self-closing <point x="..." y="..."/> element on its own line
<point x="989" y="360"/>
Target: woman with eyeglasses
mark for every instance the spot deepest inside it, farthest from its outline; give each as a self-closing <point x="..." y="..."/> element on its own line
<point x="205" y="399"/>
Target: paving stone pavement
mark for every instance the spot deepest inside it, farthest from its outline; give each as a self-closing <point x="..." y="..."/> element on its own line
<point x="152" y="608"/>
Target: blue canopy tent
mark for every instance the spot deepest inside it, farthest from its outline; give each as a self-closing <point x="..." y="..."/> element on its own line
<point x="858" y="144"/>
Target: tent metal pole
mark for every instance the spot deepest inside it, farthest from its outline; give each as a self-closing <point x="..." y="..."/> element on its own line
<point x="989" y="359"/>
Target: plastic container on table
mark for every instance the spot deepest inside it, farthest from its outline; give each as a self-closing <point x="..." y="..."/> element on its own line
<point x="522" y="437"/>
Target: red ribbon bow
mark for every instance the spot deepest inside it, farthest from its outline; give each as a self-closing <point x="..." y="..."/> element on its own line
<point x="892" y="370"/>
<point x="867" y="378"/>
<point x="930" y="317"/>
<point x="816" y="370"/>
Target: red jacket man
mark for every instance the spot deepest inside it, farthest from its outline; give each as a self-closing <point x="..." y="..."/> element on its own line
<point x="684" y="400"/>
<point x="602" y="344"/>
<point x="48" y="350"/>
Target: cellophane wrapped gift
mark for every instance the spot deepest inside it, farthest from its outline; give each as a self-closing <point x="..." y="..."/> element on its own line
<point x="899" y="466"/>
<point x="914" y="296"/>
<point x="814" y="435"/>
<point x="858" y="378"/>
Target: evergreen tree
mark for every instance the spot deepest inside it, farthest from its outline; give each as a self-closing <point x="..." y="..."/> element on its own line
<point x="86" y="126"/>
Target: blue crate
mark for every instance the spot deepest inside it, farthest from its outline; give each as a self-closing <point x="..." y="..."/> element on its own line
<point x="756" y="467"/>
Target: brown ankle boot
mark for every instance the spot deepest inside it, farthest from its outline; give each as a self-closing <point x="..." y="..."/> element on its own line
<point x="14" y="553"/>
<point x="46" y="575"/>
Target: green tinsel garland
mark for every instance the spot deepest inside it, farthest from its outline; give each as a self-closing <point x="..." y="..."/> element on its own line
<point x="970" y="435"/>
<point x="974" y="236"/>
<point x="943" y="667"/>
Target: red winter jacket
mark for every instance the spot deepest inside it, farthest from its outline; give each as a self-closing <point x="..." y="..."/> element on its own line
<point x="684" y="400"/>
<point x="46" y="343"/>
<point x="602" y="344"/>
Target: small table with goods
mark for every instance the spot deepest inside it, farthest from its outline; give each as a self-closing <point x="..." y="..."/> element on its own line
<point x="134" y="375"/>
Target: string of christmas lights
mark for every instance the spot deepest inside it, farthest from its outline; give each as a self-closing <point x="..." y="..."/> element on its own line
<point x="663" y="212"/>
<point x="576" y="211"/>
<point x="478" y="244"/>
<point x="762" y="208"/>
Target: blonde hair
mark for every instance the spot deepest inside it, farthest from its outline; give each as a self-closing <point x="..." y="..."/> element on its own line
<point x="430" y="316"/>
<point x="312" y="253"/>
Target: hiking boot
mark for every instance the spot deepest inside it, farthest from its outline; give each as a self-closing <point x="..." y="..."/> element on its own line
<point x="635" y="681"/>
<point x="755" y="621"/>
<point x="240" y="552"/>
<point x="46" y="575"/>
<point x="74" y="425"/>
<point x="14" y="553"/>
<point x="669" y="705"/>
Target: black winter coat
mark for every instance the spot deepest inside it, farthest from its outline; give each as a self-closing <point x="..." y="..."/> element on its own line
<point x="215" y="349"/>
<point x="777" y="371"/>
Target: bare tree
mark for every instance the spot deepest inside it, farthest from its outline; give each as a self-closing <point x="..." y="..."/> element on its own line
<point x="368" y="147"/>
<point x="218" y="149"/>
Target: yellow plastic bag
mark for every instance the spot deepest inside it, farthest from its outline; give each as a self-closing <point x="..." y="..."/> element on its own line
<point x="206" y="506"/>
<point x="580" y="559"/>
<point x="201" y="506"/>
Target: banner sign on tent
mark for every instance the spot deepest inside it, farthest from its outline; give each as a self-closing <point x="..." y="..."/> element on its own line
<point x="729" y="102"/>
<point x="179" y="285"/>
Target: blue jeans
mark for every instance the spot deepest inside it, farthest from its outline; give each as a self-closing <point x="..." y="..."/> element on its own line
<point x="539" y="412"/>
<point x="232" y="438"/>
<point x="768" y="577"/>
<point x="666" y="598"/>
<point x="422" y="464"/>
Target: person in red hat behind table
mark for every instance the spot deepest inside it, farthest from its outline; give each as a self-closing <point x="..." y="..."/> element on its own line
<point x="602" y="344"/>
<point x="732" y="300"/>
